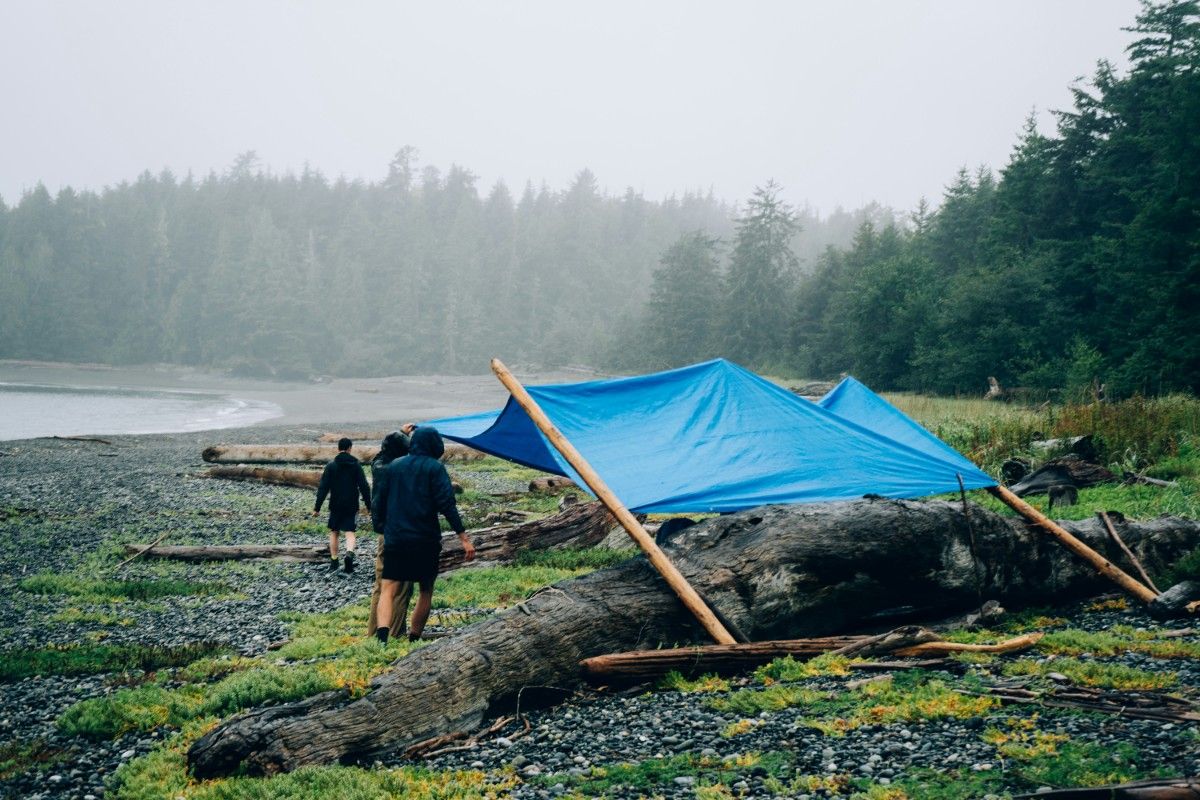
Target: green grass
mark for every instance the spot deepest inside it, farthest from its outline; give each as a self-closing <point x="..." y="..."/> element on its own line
<point x="19" y="756"/>
<point x="101" y="589"/>
<point x="789" y="669"/>
<point x="90" y="659"/>
<point x="647" y="775"/>
<point x="1099" y="674"/>
<point x="1115" y="641"/>
<point x="78" y="616"/>
<point x="674" y="681"/>
<point x="905" y="697"/>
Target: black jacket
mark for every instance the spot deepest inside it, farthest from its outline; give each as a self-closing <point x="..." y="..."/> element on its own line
<point x="343" y="480"/>
<point x="394" y="445"/>
<point x="411" y="491"/>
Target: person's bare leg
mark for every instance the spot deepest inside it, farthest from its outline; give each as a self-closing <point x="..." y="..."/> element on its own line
<point x="373" y="620"/>
<point x="387" y="594"/>
<point x="351" y="540"/>
<point x="420" y="614"/>
<point x="404" y="592"/>
<point x="333" y="539"/>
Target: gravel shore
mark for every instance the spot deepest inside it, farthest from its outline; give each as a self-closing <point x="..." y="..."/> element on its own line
<point x="64" y="503"/>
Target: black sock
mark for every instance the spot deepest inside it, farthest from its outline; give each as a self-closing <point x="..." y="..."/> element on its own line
<point x="381" y="634"/>
<point x="412" y="637"/>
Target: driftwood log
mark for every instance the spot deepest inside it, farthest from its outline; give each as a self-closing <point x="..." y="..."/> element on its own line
<point x="776" y="572"/>
<point x="551" y="483"/>
<point x="909" y="642"/>
<point x="579" y="526"/>
<point x="298" y="478"/>
<point x="312" y="453"/>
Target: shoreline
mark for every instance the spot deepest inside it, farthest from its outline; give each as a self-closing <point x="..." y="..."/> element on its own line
<point x="348" y="400"/>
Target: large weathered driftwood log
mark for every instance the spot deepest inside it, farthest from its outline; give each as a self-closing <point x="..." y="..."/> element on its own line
<point x="776" y="572"/>
<point x="311" y="453"/>
<point x="299" y="478"/>
<point x="579" y="526"/>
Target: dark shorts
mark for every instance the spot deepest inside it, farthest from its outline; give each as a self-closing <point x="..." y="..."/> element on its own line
<point x="343" y="520"/>
<point x="416" y="562"/>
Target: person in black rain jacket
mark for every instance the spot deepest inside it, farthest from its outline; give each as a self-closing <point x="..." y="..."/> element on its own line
<point x="411" y="493"/>
<point x="393" y="446"/>
<point x="343" y="481"/>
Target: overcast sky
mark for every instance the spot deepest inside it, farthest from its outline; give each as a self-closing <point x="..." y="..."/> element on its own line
<point x="841" y="102"/>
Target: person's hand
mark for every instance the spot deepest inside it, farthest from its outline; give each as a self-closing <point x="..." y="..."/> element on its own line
<point x="407" y="428"/>
<point x="468" y="548"/>
<point x="315" y="512"/>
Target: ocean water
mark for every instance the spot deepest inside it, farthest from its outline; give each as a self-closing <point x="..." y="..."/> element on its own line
<point x="30" y="410"/>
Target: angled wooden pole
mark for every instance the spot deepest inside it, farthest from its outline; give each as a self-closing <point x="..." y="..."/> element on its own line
<point x="1102" y="564"/>
<point x="628" y="521"/>
<point x="1103" y="515"/>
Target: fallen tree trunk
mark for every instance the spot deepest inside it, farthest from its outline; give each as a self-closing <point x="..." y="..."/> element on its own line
<point x="579" y="526"/>
<point x="551" y="483"/>
<point x="777" y="572"/>
<point x="312" y="453"/>
<point x="298" y="478"/>
<point x="234" y="552"/>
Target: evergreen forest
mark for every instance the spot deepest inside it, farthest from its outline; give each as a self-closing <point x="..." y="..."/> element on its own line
<point x="1074" y="265"/>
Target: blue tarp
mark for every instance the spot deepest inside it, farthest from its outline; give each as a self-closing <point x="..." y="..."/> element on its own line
<point x="716" y="437"/>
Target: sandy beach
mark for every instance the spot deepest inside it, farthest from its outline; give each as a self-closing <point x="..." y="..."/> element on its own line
<point x="342" y="400"/>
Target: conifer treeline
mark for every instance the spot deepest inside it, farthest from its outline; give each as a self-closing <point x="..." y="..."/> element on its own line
<point x="296" y="275"/>
<point x="1079" y="263"/>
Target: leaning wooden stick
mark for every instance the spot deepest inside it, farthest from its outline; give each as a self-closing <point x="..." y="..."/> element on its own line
<point x="1112" y="531"/>
<point x="141" y="552"/>
<point x="628" y="521"/>
<point x="1102" y="564"/>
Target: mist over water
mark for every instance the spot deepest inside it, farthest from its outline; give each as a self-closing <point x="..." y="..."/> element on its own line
<point x="31" y="410"/>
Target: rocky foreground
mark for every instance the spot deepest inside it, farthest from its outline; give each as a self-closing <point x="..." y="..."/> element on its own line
<point x="66" y="508"/>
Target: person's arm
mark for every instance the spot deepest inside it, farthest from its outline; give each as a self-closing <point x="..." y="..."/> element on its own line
<point x="364" y="488"/>
<point x="379" y="505"/>
<point x="323" y="488"/>
<point x="443" y="495"/>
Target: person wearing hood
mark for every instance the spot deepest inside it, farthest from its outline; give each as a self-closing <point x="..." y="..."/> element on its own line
<point x="343" y="481"/>
<point x="412" y="492"/>
<point x="393" y="446"/>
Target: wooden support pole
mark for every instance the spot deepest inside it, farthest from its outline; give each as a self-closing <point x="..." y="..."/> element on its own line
<point x="1102" y="564"/>
<point x="628" y="521"/>
<point x="1103" y="515"/>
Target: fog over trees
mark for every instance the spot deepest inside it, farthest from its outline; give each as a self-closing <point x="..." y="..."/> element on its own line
<point x="1079" y="260"/>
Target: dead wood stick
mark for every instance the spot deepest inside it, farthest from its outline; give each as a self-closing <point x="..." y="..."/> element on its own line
<point x="1131" y="478"/>
<point x="1112" y="531"/>
<point x="707" y="658"/>
<point x="78" y="439"/>
<point x="1102" y="564"/>
<point x="909" y="641"/>
<point x="889" y="642"/>
<point x="1014" y="645"/>
<point x="670" y="573"/>
<point x="141" y="551"/>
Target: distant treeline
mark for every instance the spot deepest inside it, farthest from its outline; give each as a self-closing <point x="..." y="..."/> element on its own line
<point x="296" y="275"/>
<point x="1078" y="266"/>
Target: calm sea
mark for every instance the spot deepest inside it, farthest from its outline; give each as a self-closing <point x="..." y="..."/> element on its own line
<point x="28" y="410"/>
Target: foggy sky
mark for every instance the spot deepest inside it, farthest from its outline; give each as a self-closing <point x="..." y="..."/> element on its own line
<point x="841" y="102"/>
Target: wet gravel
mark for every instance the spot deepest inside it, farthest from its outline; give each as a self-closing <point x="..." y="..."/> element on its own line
<point x="63" y="502"/>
